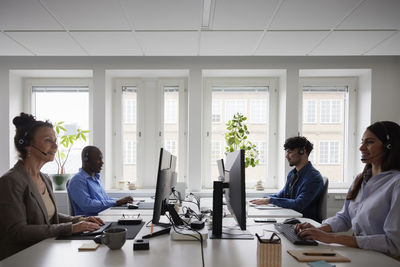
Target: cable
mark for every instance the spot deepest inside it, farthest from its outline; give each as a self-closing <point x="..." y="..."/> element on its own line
<point x="175" y="227"/>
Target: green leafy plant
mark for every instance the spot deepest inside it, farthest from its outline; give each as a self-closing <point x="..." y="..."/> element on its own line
<point x="236" y="138"/>
<point x="65" y="143"/>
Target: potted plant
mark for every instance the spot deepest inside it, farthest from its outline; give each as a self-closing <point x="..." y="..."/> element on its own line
<point x="65" y="143"/>
<point x="236" y="138"/>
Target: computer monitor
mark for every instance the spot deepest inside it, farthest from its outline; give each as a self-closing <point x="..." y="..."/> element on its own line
<point x="166" y="180"/>
<point x="221" y="170"/>
<point x="234" y="185"/>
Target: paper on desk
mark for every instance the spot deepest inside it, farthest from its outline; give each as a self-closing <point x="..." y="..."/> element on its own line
<point x="299" y="255"/>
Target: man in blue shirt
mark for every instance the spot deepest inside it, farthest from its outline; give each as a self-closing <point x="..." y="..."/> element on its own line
<point x="304" y="183"/>
<point x="85" y="190"/>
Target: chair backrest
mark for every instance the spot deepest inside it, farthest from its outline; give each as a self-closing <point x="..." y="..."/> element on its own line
<point x="322" y="204"/>
<point x="70" y="207"/>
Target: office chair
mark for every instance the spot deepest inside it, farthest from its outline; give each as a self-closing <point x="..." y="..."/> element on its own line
<point x="322" y="203"/>
<point x="70" y="207"/>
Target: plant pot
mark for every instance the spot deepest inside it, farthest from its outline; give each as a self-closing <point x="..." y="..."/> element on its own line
<point x="59" y="180"/>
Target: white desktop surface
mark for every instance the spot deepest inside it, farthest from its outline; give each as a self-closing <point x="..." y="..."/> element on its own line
<point x="166" y="252"/>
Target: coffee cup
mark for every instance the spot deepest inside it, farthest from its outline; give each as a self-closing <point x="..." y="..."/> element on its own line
<point x="114" y="238"/>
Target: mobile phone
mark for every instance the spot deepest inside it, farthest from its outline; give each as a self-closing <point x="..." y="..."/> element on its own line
<point x="265" y="220"/>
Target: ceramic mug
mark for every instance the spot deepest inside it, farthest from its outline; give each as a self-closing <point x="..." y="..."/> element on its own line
<point x="114" y="238"/>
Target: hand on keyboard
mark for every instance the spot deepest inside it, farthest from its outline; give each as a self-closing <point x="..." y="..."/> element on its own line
<point x="289" y="232"/>
<point x="84" y="226"/>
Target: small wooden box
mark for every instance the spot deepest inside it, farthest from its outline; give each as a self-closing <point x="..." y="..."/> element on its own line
<point x="269" y="252"/>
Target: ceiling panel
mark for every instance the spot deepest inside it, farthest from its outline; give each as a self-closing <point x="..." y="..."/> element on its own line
<point x="89" y="14"/>
<point x="311" y="14"/>
<point x="374" y="14"/>
<point x="48" y="43"/>
<point x="108" y="43"/>
<point x="289" y="43"/>
<point x="235" y="15"/>
<point x="164" y="15"/>
<point x="168" y="43"/>
<point x="388" y="47"/>
<point x="25" y="15"/>
<point x="10" y="48"/>
<point x="226" y="43"/>
<point x="350" y="42"/>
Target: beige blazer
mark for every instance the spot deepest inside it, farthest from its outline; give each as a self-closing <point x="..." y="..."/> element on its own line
<point x="24" y="220"/>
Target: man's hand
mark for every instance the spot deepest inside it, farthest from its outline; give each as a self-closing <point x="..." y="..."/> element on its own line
<point x="262" y="201"/>
<point x="124" y="200"/>
<point x="94" y="220"/>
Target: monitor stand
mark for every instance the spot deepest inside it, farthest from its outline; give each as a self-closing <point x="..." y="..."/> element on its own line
<point x="219" y="232"/>
<point x="232" y="234"/>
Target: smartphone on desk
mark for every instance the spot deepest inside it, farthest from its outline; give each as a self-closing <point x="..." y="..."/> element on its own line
<point x="268" y="220"/>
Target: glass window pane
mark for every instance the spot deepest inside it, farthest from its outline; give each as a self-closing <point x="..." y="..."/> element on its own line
<point x="68" y="104"/>
<point x="129" y="130"/>
<point x="309" y="111"/>
<point x="171" y="121"/>
<point x="328" y="131"/>
<point x="216" y="112"/>
<point x="247" y="100"/>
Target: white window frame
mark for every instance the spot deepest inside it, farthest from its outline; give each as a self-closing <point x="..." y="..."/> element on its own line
<point x="147" y="178"/>
<point x="350" y="145"/>
<point x="305" y="113"/>
<point x="330" y="111"/>
<point x="270" y="180"/>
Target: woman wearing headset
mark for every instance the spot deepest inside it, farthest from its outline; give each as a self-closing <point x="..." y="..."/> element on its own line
<point x="27" y="202"/>
<point x="372" y="204"/>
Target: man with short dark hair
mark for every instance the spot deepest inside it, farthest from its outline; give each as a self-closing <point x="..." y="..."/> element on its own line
<point x="87" y="195"/>
<point x="304" y="183"/>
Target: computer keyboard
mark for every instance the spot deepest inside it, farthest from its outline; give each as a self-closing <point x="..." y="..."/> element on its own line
<point x="288" y="231"/>
<point x="98" y="231"/>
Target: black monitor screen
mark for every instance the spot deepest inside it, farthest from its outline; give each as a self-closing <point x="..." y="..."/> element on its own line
<point x="235" y="194"/>
<point x="166" y="179"/>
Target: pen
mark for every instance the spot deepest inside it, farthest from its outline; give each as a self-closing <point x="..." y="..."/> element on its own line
<point x="319" y="254"/>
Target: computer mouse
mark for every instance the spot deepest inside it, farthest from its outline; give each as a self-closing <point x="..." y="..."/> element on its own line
<point x="291" y="221"/>
<point x="133" y="206"/>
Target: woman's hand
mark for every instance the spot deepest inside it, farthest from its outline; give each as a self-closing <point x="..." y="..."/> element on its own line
<point x="316" y="234"/>
<point x="262" y="201"/>
<point x="94" y="220"/>
<point x="84" y="226"/>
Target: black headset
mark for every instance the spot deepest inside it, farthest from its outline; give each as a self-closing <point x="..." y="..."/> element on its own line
<point x="301" y="151"/>
<point x="86" y="157"/>
<point x="387" y="145"/>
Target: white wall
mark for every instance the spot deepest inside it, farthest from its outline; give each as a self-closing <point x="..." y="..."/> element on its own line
<point x="384" y="76"/>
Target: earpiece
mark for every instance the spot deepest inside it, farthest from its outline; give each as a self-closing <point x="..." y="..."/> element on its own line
<point x="86" y="157"/>
<point x="301" y="151"/>
<point x="387" y="143"/>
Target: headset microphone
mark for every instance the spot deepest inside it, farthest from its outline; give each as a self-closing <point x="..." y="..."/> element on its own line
<point x="373" y="156"/>
<point x="44" y="153"/>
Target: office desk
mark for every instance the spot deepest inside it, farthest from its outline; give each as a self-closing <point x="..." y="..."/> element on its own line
<point x="166" y="252"/>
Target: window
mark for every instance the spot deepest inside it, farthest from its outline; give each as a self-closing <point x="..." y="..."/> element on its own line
<point x="329" y="152"/>
<point x="129" y="132"/>
<point x="148" y="114"/>
<point x="73" y="110"/>
<point x="330" y="111"/>
<point x="309" y="113"/>
<point x="250" y="97"/>
<point x="217" y="151"/>
<point x="334" y="100"/>
<point x="216" y="114"/>
<point x="258" y="111"/>
<point x="262" y="150"/>
<point x="129" y="106"/>
<point x="129" y="152"/>
<point x="233" y="106"/>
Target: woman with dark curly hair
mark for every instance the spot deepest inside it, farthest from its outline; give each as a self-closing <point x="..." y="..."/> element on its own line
<point x="372" y="205"/>
<point x="27" y="202"/>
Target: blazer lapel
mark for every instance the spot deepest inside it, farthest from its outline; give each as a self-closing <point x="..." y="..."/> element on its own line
<point x="34" y="191"/>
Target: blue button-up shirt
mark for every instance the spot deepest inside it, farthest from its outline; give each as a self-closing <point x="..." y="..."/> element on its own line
<point x="88" y="195"/>
<point x="305" y="192"/>
<point x="374" y="215"/>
